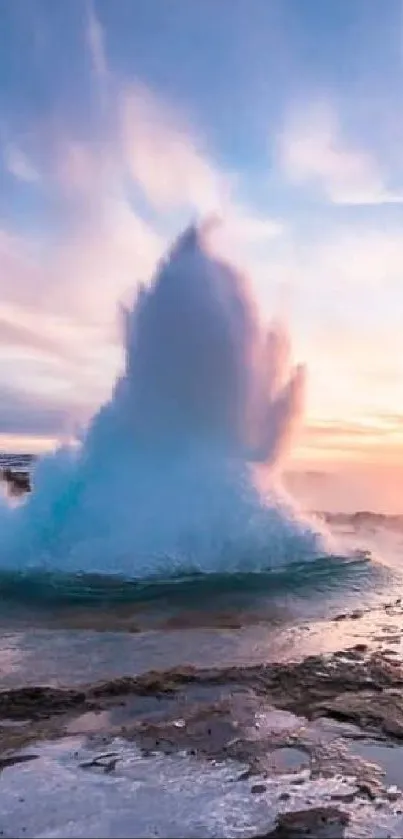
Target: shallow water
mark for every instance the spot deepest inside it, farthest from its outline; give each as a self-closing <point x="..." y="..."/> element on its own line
<point x="64" y="630"/>
<point x="85" y="791"/>
<point x="389" y="757"/>
<point x="195" y="799"/>
<point x="70" y="631"/>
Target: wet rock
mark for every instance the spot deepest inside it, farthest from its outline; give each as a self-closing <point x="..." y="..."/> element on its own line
<point x="258" y="788"/>
<point x="18" y="482"/>
<point x="393" y="725"/>
<point x="370" y="789"/>
<point x="244" y="776"/>
<point x="106" y="762"/>
<point x="393" y="793"/>
<point x="357" y="687"/>
<point x="39" y="702"/>
<point x="321" y="822"/>
<point x="345" y="796"/>
<point x="388" y="638"/>
<point x="154" y="683"/>
<point x="209" y="730"/>
<point x="383" y="711"/>
<point x="5" y="762"/>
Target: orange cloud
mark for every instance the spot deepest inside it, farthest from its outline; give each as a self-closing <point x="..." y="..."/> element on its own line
<point x="372" y="441"/>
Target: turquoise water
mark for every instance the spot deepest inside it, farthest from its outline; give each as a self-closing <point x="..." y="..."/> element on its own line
<point x="69" y="629"/>
<point x="319" y="587"/>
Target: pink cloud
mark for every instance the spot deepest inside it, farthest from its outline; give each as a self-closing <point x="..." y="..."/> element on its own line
<point x="164" y="158"/>
<point x="312" y="150"/>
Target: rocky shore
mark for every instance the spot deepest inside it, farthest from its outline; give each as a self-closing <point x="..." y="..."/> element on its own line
<point x="297" y="733"/>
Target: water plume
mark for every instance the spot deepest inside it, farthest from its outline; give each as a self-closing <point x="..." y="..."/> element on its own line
<point x="163" y="480"/>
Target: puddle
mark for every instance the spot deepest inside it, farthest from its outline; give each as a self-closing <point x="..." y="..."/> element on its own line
<point x="119" y="715"/>
<point x="389" y="758"/>
<point x="153" y="708"/>
<point x="288" y="759"/>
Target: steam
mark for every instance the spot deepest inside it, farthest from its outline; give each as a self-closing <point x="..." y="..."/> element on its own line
<point x="163" y="481"/>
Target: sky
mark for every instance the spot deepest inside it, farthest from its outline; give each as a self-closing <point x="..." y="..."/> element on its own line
<point x="123" y="120"/>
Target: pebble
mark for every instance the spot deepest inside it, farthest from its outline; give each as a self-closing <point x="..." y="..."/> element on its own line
<point x="393" y="793"/>
<point x="258" y="788"/>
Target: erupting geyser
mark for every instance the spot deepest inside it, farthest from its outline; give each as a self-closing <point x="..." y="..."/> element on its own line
<point x="163" y="481"/>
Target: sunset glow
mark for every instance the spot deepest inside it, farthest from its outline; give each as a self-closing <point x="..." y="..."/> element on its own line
<point x="123" y="121"/>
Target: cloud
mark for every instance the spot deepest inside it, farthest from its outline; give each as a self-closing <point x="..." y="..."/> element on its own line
<point x="96" y="43"/>
<point x="346" y="431"/>
<point x="103" y="259"/>
<point x="19" y="165"/>
<point x="170" y="165"/>
<point x="20" y="277"/>
<point x="163" y="157"/>
<point x="119" y="196"/>
<point x="104" y="245"/>
<point x="59" y="327"/>
<point x="312" y="150"/>
<point x="22" y="412"/>
<point x="252" y="228"/>
<point x="101" y="248"/>
<point x="16" y="335"/>
<point x="361" y="255"/>
<point x="357" y="442"/>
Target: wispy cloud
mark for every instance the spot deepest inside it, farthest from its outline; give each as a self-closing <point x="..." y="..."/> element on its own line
<point x="359" y="441"/>
<point x="20" y="277"/>
<point x="312" y="150"/>
<point x="22" y="412"/>
<point x="168" y="162"/>
<point x="103" y="246"/>
<point x="19" y="165"/>
<point x="14" y="334"/>
<point x="96" y="43"/>
<point x="164" y="158"/>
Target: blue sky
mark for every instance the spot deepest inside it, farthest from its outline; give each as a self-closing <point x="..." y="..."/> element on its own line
<point x="123" y="119"/>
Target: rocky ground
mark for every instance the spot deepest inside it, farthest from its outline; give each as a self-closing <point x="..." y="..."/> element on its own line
<point x="297" y="735"/>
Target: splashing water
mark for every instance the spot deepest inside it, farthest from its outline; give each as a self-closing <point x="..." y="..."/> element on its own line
<point x="163" y="481"/>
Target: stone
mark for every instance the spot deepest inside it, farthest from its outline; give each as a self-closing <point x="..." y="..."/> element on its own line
<point x="258" y="788"/>
<point x="321" y="822"/>
<point x="393" y="793"/>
